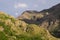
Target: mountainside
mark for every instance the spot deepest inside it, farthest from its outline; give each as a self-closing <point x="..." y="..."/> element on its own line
<point x="48" y="19"/>
<point x="31" y="25"/>
<point x="14" y="29"/>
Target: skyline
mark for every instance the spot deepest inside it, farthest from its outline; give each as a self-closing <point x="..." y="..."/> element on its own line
<point x="17" y="7"/>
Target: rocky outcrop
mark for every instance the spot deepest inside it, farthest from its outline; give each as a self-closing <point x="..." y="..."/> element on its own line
<point x="48" y="18"/>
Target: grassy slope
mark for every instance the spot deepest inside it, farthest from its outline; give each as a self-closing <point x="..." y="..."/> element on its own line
<point x="13" y="29"/>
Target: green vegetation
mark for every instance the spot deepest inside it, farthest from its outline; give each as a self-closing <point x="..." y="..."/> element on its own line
<point x="14" y="29"/>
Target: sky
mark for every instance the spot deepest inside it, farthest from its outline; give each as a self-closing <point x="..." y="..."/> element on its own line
<point x="17" y="7"/>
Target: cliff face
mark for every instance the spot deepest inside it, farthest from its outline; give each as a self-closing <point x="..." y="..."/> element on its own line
<point x="48" y="18"/>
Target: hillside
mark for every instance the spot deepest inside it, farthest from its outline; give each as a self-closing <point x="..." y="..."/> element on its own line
<point x="14" y="29"/>
<point x="31" y="25"/>
<point x="48" y="19"/>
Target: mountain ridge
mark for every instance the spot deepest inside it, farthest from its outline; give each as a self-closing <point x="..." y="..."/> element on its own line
<point x="14" y="29"/>
<point x="34" y="25"/>
<point x="45" y="18"/>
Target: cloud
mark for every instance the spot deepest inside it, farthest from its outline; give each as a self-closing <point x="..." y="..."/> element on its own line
<point x="16" y="14"/>
<point x="20" y="5"/>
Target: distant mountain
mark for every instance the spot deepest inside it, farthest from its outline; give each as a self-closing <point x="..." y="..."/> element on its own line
<point x="48" y="19"/>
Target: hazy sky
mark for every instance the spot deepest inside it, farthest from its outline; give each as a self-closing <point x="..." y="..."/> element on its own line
<point x="16" y="7"/>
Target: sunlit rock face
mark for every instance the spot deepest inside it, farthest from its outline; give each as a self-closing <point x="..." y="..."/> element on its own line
<point x="48" y="19"/>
